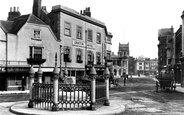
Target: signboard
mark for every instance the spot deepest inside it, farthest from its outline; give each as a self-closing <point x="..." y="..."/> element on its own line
<point x="78" y="43"/>
<point x="18" y="69"/>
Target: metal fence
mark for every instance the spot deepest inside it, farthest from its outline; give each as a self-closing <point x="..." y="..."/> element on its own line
<point x="42" y="95"/>
<point x="74" y="96"/>
<point x="71" y="96"/>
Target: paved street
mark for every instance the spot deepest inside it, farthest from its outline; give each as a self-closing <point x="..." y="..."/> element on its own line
<point x="139" y="97"/>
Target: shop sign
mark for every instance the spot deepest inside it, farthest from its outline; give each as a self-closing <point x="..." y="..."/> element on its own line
<point x="17" y="69"/>
<point x="91" y="46"/>
<point x="78" y="43"/>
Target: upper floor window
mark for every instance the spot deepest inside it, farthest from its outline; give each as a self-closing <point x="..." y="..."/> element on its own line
<point x="36" y="34"/>
<point x="36" y="52"/>
<point x="90" y="56"/>
<point x="67" y="30"/>
<point x="140" y="63"/>
<point x="108" y="54"/>
<point x="98" y="38"/>
<point x="67" y="54"/>
<point x="79" y="55"/>
<point x="79" y="32"/>
<point x="124" y="53"/>
<point x="98" y="56"/>
<point x="90" y="35"/>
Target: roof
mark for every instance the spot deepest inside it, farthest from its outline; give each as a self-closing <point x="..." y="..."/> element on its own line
<point x="71" y="12"/>
<point x="16" y="24"/>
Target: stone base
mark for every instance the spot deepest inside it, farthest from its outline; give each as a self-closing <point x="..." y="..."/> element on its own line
<point x="107" y="103"/>
<point x="55" y="107"/>
<point x="30" y="104"/>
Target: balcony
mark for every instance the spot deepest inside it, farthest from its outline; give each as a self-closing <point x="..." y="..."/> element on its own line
<point x="35" y="61"/>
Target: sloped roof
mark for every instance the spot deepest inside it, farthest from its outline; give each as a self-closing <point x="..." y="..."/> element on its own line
<point x="17" y="23"/>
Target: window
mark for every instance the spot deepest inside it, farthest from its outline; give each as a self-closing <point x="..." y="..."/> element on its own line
<point x="67" y="50"/>
<point x="36" y="34"/>
<point x="90" y="35"/>
<point x="98" y="56"/>
<point x="79" y="55"/>
<point x="124" y="53"/>
<point x="108" y="54"/>
<point x="140" y="67"/>
<point x="90" y="56"/>
<point x="36" y="52"/>
<point x="15" y="81"/>
<point x="67" y="30"/>
<point x="98" y="38"/>
<point x="79" y="32"/>
<point x="140" y="63"/>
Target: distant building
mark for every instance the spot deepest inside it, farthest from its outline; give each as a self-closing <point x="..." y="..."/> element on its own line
<point x="120" y="61"/>
<point x="146" y="66"/>
<point x="164" y="49"/>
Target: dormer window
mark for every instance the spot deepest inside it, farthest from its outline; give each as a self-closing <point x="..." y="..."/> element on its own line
<point x="36" y="35"/>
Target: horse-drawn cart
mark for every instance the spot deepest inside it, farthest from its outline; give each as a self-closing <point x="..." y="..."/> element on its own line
<point x="165" y="82"/>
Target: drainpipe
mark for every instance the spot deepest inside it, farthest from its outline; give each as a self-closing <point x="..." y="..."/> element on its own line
<point x="6" y="74"/>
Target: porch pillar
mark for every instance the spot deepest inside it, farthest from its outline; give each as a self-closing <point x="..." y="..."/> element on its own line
<point x="55" y="106"/>
<point x="93" y="87"/>
<point x="31" y="81"/>
<point x="107" y="73"/>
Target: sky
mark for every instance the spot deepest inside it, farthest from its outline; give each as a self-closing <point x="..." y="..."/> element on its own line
<point x="130" y="21"/>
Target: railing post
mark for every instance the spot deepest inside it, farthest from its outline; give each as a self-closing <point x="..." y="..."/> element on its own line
<point x="39" y="73"/>
<point x="31" y="81"/>
<point x="55" y="106"/>
<point x="106" y="73"/>
<point x="93" y="88"/>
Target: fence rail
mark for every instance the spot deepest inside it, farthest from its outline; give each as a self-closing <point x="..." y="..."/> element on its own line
<point x="71" y="96"/>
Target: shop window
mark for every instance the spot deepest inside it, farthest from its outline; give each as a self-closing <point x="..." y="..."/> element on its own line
<point x="67" y="30"/>
<point x="90" y="35"/>
<point x="15" y="81"/>
<point x="35" y="52"/>
<point x="79" y="32"/>
<point x="98" y="38"/>
<point x="79" y="55"/>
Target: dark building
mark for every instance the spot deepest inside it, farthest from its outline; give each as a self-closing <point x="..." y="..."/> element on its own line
<point x="178" y="49"/>
<point x="163" y="36"/>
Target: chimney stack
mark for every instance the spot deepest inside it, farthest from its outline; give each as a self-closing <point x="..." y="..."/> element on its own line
<point x="37" y="8"/>
<point x="13" y="14"/>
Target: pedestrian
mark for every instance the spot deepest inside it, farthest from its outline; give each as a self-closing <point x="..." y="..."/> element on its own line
<point x="124" y="79"/>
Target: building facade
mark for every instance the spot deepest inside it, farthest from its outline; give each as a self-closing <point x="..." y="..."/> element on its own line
<point x="164" y="52"/>
<point x="78" y="40"/>
<point x="146" y="66"/>
<point x="120" y="61"/>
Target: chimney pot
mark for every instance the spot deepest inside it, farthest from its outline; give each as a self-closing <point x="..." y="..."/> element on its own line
<point x="14" y="9"/>
<point x="10" y="9"/>
<point x="17" y="9"/>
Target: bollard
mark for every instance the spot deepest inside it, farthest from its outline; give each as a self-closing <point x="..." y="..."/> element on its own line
<point x="93" y="87"/>
<point x="55" y="106"/>
<point x="31" y="81"/>
<point x="106" y="73"/>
